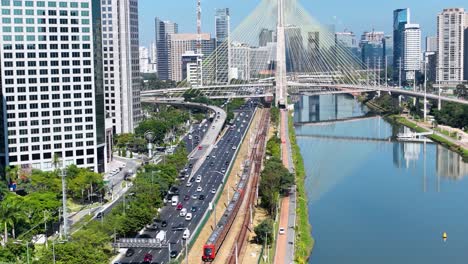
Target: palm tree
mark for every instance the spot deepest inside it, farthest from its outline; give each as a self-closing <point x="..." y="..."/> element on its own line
<point x="9" y="215"/>
<point x="11" y="173"/>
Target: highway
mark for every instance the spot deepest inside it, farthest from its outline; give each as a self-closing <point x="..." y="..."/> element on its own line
<point x="212" y="171"/>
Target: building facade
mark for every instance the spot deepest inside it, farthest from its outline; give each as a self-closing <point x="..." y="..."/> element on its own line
<point x="223" y="47"/>
<point x="266" y="36"/>
<point x="412" y="51"/>
<point x="162" y="30"/>
<point x="451" y="27"/>
<point x="431" y="43"/>
<point x="179" y="44"/>
<point x="51" y="70"/>
<point x="121" y="55"/>
<point x="240" y="61"/>
<point x="401" y="17"/>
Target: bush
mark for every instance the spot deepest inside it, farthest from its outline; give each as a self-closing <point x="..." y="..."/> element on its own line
<point x="264" y="231"/>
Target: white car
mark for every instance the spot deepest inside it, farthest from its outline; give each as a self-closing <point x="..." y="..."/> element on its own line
<point x="198" y="179"/>
<point x="188" y="184"/>
<point x="199" y="189"/>
<point x="213" y="191"/>
<point x="234" y="147"/>
<point x="186" y="234"/>
<point x="281" y="231"/>
<point x="188" y="216"/>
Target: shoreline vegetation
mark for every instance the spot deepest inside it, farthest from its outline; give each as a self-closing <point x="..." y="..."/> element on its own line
<point x="304" y="240"/>
<point x="393" y="116"/>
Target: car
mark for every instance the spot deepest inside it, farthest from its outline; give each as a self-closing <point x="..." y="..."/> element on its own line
<point x="281" y="231"/>
<point x="186" y="197"/>
<point x="194" y="196"/>
<point x="186" y="234"/>
<point x="188" y="217"/>
<point x="213" y="190"/>
<point x="199" y="189"/>
<point x="190" y="165"/>
<point x="223" y="170"/>
<point x="193" y="209"/>
<point x="174" y="254"/>
<point x="163" y="223"/>
<point x="211" y="163"/>
<point x="213" y="127"/>
<point x="179" y="206"/>
<point x="216" y="146"/>
<point x="148" y="258"/>
<point x="198" y="178"/>
<point x="178" y="227"/>
<point x="123" y="165"/>
<point x="227" y="162"/>
<point x="208" y="157"/>
<point x="152" y="226"/>
<point x="192" y="179"/>
<point x="201" y="197"/>
<point x="99" y="215"/>
<point x="129" y="252"/>
<point x="200" y="147"/>
<point x="189" y="183"/>
<point x="183" y="212"/>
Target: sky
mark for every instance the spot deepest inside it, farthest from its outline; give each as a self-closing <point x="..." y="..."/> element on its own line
<point x="356" y="15"/>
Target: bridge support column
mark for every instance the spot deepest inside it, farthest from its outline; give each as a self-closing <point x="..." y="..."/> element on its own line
<point x="378" y="93"/>
<point x="399" y="101"/>
<point x="415" y="101"/>
<point x="439" y="102"/>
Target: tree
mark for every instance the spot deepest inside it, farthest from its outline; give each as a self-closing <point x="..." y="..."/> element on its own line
<point x="461" y="91"/>
<point x="9" y="215"/>
<point x="12" y="173"/>
<point x="264" y="231"/>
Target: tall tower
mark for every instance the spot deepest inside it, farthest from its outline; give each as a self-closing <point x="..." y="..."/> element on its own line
<point x="281" y="78"/>
<point x="199" y="45"/>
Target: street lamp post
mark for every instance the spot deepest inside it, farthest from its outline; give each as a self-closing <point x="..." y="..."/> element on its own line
<point x="64" y="204"/>
<point x="149" y="136"/>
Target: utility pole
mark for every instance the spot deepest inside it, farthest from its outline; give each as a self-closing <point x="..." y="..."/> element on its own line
<point x="169" y="251"/>
<point x="64" y="203"/>
<point x="386" y="71"/>
<point x="45" y="229"/>
<point x="425" y="86"/>
<point x="236" y="254"/>
<point x="186" y="251"/>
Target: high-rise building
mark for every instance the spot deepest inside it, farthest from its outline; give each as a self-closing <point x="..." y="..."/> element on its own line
<point x="261" y="60"/>
<point x="451" y="24"/>
<point x="52" y="84"/>
<point x="223" y="47"/>
<point x="222" y="24"/>
<point x="163" y="30"/>
<point x="372" y="49"/>
<point x="240" y="61"/>
<point x="412" y="51"/>
<point x="266" y="36"/>
<point x="295" y="62"/>
<point x="347" y="41"/>
<point x="431" y="43"/>
<point x="153" y="57"/>
<point x="145" y="62"/>
<point x="373" y="36"/>
<point x="401" y="17"/>
<point x="388" y="50"/>
<point x="190" y="71"/>
<point x="179" y="44"/>
<point x="121" y="56"/>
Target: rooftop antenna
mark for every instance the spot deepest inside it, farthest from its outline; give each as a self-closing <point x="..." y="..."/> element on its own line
<point x="199" y="44"/>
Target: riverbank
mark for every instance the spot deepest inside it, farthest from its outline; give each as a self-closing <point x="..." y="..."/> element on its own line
<point x="436" y="137"/>
<point x="304" y="240"/>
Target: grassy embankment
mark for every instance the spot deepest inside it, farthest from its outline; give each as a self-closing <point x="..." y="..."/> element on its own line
<point x="304" y="240"/>
<point x="444" y="142"/>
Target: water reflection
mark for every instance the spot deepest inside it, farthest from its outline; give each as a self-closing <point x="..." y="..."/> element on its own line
<point x="319" y="108"/>
<point x="380" y="201"/>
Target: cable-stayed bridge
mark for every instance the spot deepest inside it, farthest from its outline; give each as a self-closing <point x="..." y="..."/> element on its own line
<point x="280" y="50"/>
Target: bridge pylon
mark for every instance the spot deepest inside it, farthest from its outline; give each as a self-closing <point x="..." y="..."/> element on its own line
<point x="281" y="78"/>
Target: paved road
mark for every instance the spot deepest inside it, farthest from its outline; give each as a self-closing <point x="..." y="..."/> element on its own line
<point x="212" y="171"/>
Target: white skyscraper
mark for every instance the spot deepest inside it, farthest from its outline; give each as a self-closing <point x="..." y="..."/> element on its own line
<point x="51" y="81"/>
<point x="451" y="28"/>
<point x="145" y="62"/>
<point x="121" y="63"/>
<point x="431" y="44"/>
<point x="412" y="50"/>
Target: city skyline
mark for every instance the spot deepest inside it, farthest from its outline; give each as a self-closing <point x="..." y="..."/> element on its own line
<point x="343" y="19"/>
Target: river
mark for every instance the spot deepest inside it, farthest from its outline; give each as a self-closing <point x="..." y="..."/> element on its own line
<point x="374" y="200"/>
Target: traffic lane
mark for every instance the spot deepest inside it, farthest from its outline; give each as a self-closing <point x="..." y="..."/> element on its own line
<point x="201" y="204"/>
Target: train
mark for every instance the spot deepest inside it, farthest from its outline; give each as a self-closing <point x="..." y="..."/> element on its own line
<point x="214" y="242"/>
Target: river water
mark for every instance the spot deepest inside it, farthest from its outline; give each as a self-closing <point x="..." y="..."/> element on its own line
<point x="374" y="200"/>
